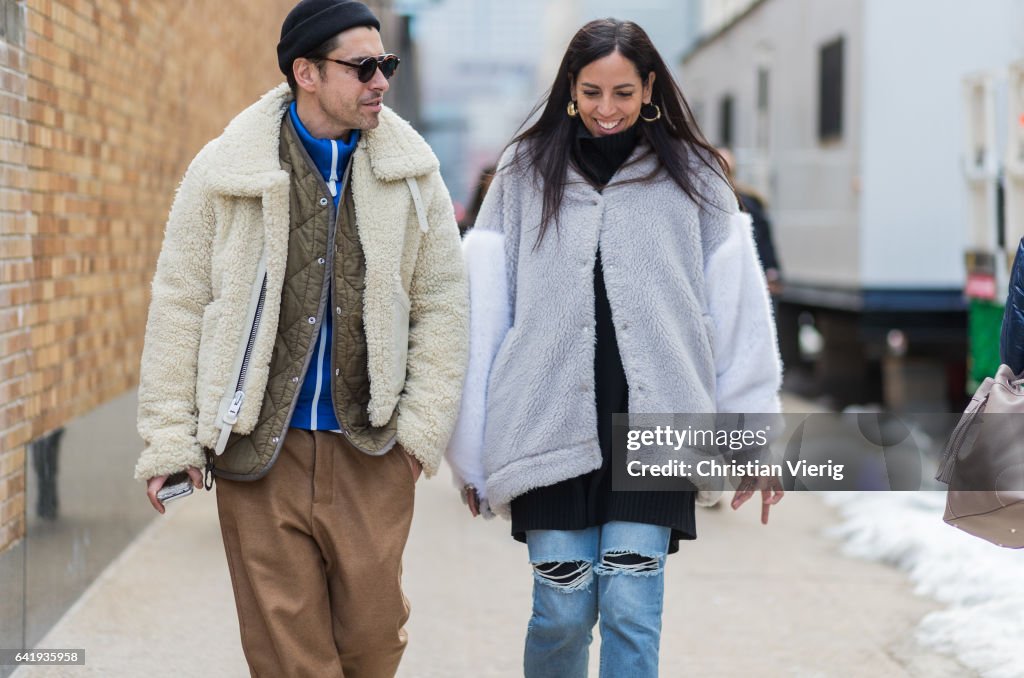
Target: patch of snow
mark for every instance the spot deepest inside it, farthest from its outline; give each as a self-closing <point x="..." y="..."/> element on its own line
<point x="982" y="584"/>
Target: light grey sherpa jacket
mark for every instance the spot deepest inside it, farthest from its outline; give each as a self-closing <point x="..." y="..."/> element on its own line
<point x="232" y="208"/>
<point x="689" y="303"/>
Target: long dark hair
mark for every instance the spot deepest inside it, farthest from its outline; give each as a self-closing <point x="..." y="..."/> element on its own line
<point x="553" y="134"/>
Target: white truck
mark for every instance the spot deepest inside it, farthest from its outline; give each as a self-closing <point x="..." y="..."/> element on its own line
<point x="848" y="116"/>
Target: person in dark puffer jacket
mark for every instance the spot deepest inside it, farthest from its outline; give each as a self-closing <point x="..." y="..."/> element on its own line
<point x="1011" y="340"/>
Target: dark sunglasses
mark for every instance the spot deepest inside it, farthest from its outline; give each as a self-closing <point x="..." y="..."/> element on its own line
<point x="387" y="63"/>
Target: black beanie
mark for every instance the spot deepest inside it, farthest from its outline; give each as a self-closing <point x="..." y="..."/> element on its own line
<point x="313" y="22"/>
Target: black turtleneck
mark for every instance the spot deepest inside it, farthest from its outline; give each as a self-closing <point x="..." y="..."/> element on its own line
<point x="588" y="500"/>
<point x="599" y="158"/>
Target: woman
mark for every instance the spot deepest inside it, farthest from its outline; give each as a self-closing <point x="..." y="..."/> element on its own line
<point x="610" y="272"/>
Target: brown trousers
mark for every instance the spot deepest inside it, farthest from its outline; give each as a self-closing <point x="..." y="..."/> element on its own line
<point x="315" y="554"/>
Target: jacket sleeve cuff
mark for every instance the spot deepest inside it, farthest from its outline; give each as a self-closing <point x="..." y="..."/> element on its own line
<point x="421" y="438"/>
<point x="168" y="456"/>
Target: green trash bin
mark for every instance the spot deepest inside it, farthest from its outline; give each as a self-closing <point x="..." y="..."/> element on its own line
<point x="984" y="322"/>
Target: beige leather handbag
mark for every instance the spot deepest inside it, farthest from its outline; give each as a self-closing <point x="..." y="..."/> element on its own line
<point x="983" y="463"/>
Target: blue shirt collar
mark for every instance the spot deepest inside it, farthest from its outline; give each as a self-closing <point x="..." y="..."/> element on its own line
<point x="329" y="155"/>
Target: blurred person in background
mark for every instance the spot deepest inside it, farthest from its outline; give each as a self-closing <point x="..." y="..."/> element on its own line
<point x="483" y="183"/>
<point x="306" y="343"/>
<point x="610" y="271"/>
<point x="755" y="205"/>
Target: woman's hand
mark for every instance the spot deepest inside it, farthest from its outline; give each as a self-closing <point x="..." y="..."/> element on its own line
<point x="771" y="494"/>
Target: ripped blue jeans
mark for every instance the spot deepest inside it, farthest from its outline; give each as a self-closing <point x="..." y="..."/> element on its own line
<point x="627" y="560"/>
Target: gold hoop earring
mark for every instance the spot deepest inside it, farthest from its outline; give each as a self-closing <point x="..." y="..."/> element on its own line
<point x="656" y="116"/>
<point x="571" y="109"/>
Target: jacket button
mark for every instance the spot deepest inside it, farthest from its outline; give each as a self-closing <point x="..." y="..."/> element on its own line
<point x="276" y="439"/>
<point x="321" y="261"/>
<point x="338" y="310"/>
<point x="323" y="202"/>
<point x="312" y="320"/>
<point x="295" y="380"/>
<point x="337" y="372"/>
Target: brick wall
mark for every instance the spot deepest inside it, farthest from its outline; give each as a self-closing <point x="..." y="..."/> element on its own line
<point x="102" y="105"/>
<point x="15" y="273"/>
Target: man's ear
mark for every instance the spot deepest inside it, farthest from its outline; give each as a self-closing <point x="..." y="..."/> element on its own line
<point x="307" y="74"/>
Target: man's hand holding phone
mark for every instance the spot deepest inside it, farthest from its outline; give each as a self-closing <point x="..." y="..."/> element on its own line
<point x="162" y="489"/>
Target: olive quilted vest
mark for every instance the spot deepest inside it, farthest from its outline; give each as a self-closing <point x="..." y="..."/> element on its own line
<point x="305" y="293"/>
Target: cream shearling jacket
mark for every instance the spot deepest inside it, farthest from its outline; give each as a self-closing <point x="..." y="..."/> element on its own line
<point x="689" y="303"/>
<point x="228" y="229"/>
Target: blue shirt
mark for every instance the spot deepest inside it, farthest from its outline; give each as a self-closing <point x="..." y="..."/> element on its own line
<point x="315" y="408"/>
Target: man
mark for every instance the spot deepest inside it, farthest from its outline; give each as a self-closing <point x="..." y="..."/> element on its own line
<point x="306" y="343"/>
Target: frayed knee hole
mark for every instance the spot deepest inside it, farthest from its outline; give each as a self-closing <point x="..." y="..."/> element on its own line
<point x="628" y="562"/>
<point x="565" y="576"/>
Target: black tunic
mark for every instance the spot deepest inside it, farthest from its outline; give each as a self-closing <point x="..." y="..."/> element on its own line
<point x="588" y="500"/>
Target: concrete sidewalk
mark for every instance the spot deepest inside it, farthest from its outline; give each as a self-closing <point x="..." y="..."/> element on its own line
<point x="743" y="599"/>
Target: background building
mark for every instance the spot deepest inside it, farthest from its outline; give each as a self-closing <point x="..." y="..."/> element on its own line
<point x="714" y="15"/>
<point x="478" y="64"/>
<point x="484" y="65"/>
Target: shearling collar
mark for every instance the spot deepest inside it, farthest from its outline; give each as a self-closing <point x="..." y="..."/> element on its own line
<point x="244" y="160"/>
